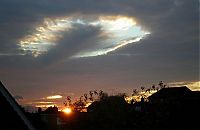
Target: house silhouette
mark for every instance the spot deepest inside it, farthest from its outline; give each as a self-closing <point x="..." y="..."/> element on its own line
<point x="178" y="105"/>
<point x="11" y="114"/>
<point x="171" y="94"/>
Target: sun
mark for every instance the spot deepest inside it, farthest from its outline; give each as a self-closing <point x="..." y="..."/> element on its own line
<point x="67" y="110"/>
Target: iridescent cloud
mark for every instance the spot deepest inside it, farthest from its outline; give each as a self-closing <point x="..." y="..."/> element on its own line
<point x="120" y="31"/>
<point x="45" y="36"/>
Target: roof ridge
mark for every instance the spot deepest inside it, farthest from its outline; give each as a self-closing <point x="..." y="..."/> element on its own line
<point x="15" y="106"/>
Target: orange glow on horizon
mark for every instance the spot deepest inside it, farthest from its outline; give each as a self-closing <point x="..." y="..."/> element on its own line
<point x="67" y="110"/>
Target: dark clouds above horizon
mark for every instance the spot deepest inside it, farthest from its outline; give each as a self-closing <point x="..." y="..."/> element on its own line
<point x="170" y="53"/>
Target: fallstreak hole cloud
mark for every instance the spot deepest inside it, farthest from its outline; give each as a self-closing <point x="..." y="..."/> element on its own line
<point x="121" y="30"/>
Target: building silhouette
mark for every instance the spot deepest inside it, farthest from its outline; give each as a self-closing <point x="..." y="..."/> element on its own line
<point x="11" y="114"/>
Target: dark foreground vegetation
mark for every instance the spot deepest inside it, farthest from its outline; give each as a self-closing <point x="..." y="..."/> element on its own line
<point x="168" y="109"/>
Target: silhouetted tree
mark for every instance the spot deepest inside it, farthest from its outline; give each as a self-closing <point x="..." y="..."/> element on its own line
<point x="51" y="109"/>
<point x="91" y="95"/>
<point x="135" y="92"/>
<point x="161" y="84"/>
<point x="157" y="88"/>
<point x="39" y="109"/>
<point x="142" y="96"/>
<point x="103" y="95"/>
<point x="95" y="92"/>
<point x="132" y="101"/>
<point x="148" y="90"/>
<point x="81" y="98"/>
<point x="142" y="99"/>
<point x="100" y="93"/>
<point x="68" y="102"/>
<point x="85" y="97"/>
<point x="153" y="87"/>
<point x="142" y="88"/>
<point x="79" y="105"/>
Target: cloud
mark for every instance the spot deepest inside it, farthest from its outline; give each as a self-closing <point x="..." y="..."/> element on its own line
<point x="54" y="97"/>
<point x="120" y="31"/>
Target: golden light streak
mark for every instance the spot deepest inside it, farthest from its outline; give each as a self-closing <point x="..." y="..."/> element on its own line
<point x="54" y="97"/>
<point x="45" y="102"/>
<point x="45" y="106"/>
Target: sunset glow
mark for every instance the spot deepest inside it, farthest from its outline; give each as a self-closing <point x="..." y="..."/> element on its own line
<point x="67" y="110"/>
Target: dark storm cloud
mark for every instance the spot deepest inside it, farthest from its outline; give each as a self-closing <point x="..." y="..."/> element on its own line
<point x="170" y="53"/>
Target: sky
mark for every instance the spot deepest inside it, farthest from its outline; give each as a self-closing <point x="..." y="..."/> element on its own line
<point x="68" y="47"/>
